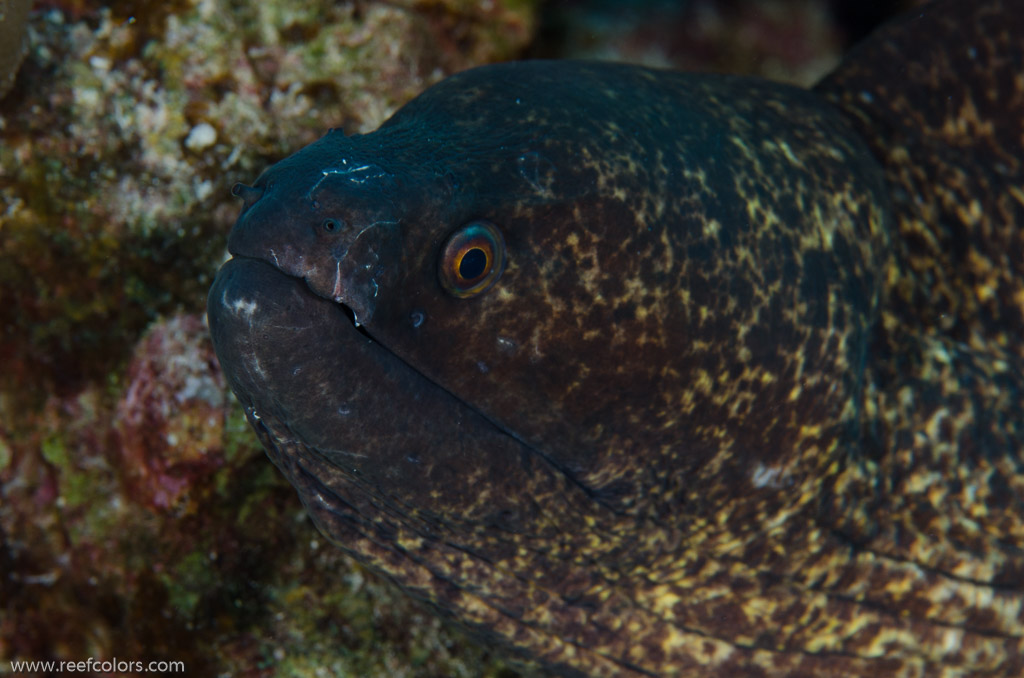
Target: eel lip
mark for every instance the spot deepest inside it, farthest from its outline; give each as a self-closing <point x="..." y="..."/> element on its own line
<point x="261" y="319"/>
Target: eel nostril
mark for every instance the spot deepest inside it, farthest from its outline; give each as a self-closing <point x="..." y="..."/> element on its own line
<point x="248" y="194"/>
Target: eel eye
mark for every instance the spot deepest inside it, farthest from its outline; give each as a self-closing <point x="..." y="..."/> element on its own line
<point x="331" y="225"/>
<point x="472" y="260"/>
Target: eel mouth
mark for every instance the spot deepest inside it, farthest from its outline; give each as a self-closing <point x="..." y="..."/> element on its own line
<point x="302" y="360"/>
<point x="317" y="388"/>
<point x="262" y="314"/>
<point x="269" y="326"/>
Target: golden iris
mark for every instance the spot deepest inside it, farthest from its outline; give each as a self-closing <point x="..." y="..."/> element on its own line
<point x="472" y="260"/>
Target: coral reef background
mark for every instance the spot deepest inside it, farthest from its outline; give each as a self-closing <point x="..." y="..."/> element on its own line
<point x="138" y="517"/>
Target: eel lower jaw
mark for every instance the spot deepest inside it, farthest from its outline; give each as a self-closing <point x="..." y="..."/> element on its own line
<point x="288" y="352"/>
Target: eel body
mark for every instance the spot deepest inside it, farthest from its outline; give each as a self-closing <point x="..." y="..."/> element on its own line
<point x="638" y="373"/>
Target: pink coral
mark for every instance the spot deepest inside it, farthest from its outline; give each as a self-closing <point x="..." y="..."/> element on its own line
<point x="170" y="419"/>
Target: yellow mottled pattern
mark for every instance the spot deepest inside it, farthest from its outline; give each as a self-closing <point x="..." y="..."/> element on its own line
<point x="747" y="399"/>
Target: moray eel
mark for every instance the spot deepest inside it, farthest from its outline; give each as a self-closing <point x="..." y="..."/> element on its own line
<point x="640" y="373"/>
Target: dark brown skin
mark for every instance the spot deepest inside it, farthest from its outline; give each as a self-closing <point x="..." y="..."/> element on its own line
<point x="704" y="422"/>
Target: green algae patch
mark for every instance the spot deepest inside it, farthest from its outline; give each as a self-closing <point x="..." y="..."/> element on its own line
<point x="53" y="451"/>
<point x="5" y="455"/>
<point x="187" y="583"/>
